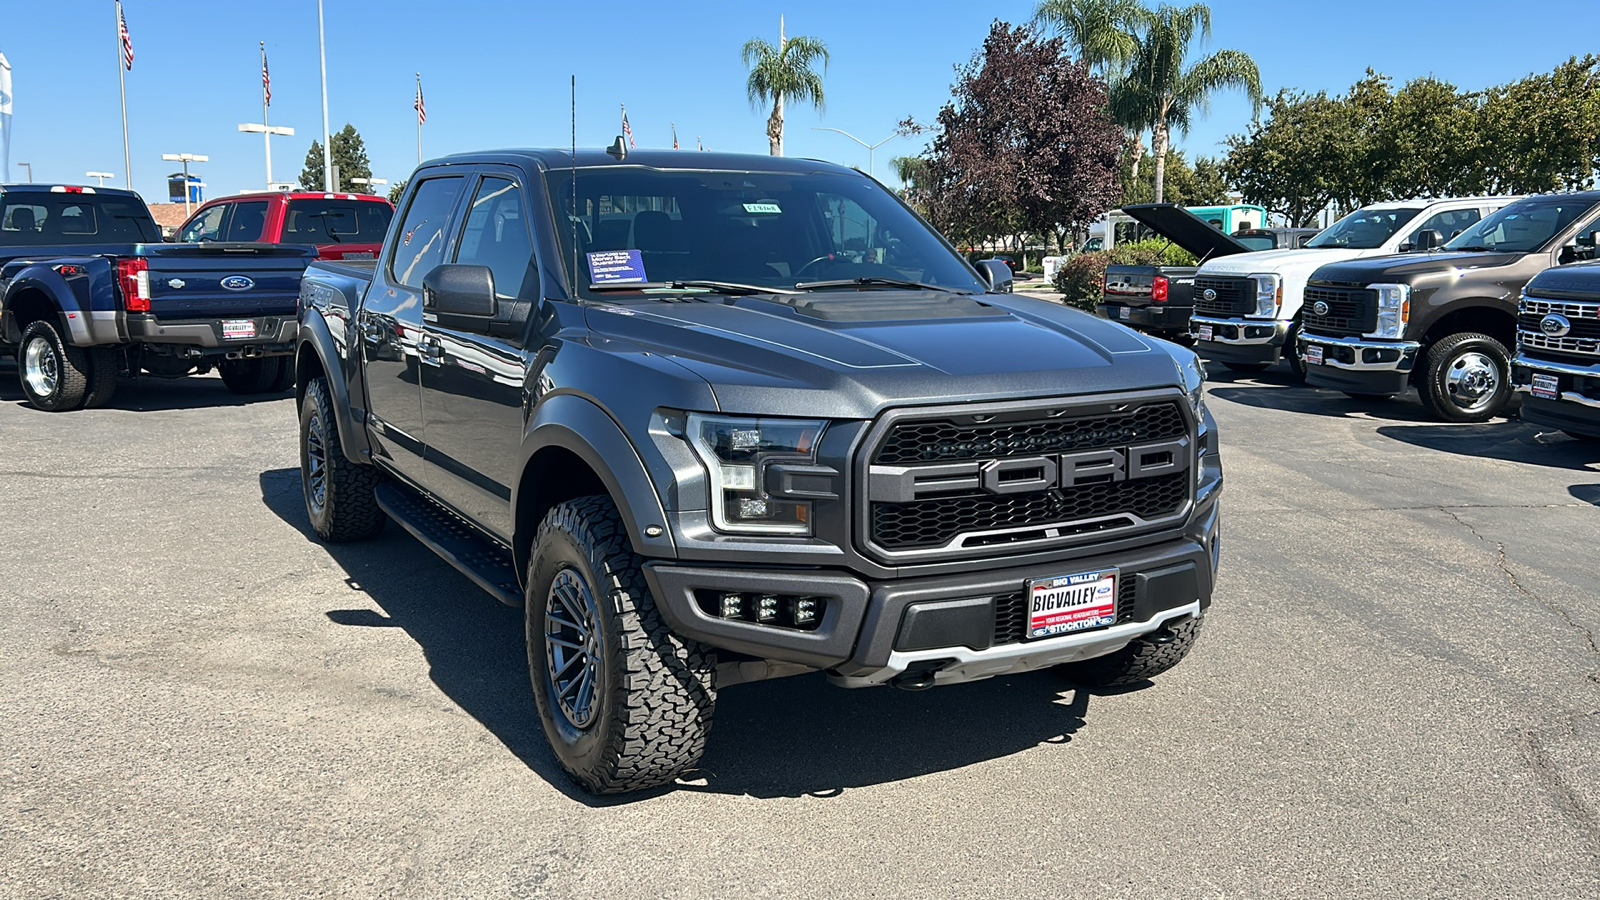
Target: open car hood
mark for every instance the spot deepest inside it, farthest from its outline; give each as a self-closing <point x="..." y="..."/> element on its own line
<point x="1185" y="229"/>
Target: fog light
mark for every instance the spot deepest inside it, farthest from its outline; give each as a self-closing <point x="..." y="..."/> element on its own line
<point x="766" y="608"/>
<point x="805" y="611"/>
<point x="732" y="606"/>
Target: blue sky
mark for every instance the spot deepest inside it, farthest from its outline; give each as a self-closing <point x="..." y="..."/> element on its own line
<point x="496" y="72"/>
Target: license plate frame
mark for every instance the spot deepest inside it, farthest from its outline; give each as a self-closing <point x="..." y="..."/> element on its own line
<point x="1125" y="313"/>
<point x="1545" y="387"/>
<point x="1204" y="333"/>
<point x="1313" y="355"/>
<point x="238" y="329"/>
<point x="1090" y="602"/>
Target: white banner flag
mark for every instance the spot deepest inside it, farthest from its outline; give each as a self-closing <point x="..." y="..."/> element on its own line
<point x="5" y="119"/>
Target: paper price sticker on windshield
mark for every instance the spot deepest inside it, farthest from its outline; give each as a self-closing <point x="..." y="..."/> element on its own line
<point x="616" y="267"/>
<point x="1072" y="603"/>
<point x="762" y="209"/>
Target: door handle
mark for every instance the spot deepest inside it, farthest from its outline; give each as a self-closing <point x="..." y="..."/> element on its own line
<point x="430" y="348"/>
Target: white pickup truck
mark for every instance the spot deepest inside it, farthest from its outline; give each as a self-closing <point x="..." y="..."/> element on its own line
<point x="1247" y="306"/>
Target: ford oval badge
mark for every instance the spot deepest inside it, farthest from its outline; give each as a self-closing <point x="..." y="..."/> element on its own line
<point x="1321" y="307"/>
<point x="1554" y="325"/>
<point x="237" y="283"/>
<point x="1209" y="294"/>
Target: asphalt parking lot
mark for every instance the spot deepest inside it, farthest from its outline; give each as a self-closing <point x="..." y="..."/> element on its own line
<point x="1398" y="694"/>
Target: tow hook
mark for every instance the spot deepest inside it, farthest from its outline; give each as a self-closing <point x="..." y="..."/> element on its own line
<point x="920" y="676"/>
<point x="1165" y="635"/>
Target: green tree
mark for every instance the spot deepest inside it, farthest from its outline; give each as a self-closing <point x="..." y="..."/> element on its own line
<point x="396" y="191"/>
<point x="1426" y="143"/>
<point x="784" y="74"/>
<point x="1201" y="184"/>
<point x="1105" y="34"/>
<point x="1163" y="94"/>
<point x="1298" y="159"/>
<point x="913" y="174"/>
<point x="1542" y="133"/>
<point x="349" y="154"/>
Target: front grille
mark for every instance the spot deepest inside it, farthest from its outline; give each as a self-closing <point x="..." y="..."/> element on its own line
<point x="942" y="441"/>
<point x="933" y="523"/>
<point x="1011" y="611"/>
<point x="1351" y="312"/>
<point x="1582" y="339"/>
<point x="1235" y="296"/>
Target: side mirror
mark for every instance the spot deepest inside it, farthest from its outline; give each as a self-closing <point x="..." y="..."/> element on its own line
<point x="997" y="274"/>
<point x="1426" y="239"/>
<point x="458" y="296"/>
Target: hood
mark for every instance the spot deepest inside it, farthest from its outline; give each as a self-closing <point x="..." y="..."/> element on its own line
<point x="1185" y="229"/>
<point x="1406" y="267"/>
<point x="851" y="354"/>
<point x="1262" y="262"/>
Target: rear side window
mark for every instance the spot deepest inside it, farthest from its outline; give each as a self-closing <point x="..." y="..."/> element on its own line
<point x="249" y="219"/>
<point x="336" y="222"/>
<point x="419" y="245"/>
<point x="205" y="227"/>
<point x="1449" y="223"/>
<point x="63" y="219"/>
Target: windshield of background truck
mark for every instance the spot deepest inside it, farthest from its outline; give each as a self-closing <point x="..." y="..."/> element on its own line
<point x="753" y="228"/>
<point x="1364" y="229"/>
<point x="318" y="221"/>
<point x="33" y="219"/>
<point x="1524" y="226"/>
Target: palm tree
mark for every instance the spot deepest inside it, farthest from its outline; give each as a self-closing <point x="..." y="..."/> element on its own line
<point x="1161" y="94"/>
<point x="1106" y="35"/>
<point x="784" y="73"/>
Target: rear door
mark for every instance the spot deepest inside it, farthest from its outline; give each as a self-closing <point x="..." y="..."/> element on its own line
<point x="472" y="383"/>
<point x="390" y="321"/>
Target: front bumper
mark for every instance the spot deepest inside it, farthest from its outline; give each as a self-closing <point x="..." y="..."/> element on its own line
<point x="1359" y="365"/>
<point x="1154" y="316"/>
<point x="1240" y="340"/>
<point x="273" y="335"/>
<point x="950" y="628"/>
<point x="1577" y="404"/>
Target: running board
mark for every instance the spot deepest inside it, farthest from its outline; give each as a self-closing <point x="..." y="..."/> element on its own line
<point x="488" y="564"/>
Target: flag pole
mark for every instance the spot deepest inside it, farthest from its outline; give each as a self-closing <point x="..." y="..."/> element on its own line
<point x="419" y="118"/>
<point x="122" y="85"/>
<point x="327" y="150"/>
<point x="266" y="124"/>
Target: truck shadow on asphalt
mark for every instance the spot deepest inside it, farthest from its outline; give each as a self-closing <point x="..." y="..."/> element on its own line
<point x="1509" y="440"/>
<point x="1279" y="391"/>
<point x="154" y="394"/>
<point x="783" y="738"/>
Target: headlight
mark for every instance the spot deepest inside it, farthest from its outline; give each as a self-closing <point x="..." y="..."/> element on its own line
<point x="1269" y="295"/>
<point x="736" y="452"/>
<point x="1394" y="309"/>
<point x="1194" y="384"/>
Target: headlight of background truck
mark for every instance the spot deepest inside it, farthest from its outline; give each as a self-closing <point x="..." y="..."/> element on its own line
<point x="1269" y="295"/>
<point x="1394" y="309"/>
<point x="736" y="452"/>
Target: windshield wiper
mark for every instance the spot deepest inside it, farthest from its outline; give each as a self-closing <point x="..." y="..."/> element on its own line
<point x="721" y="287"/>
<point x="869" y="281"/>
<point x="1475" y="248"/>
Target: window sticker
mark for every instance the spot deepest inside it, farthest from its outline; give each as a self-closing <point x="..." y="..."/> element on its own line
<point x="616" y="267"/>
<point x="765" y="208"/>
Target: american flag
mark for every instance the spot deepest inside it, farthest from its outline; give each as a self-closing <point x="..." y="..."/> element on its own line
<point x="674" y="135"/>
<point x="422" y="110"/>
<point x="266" y="79"/>
<point x="627" y="130"/>
<point x="699" y="144"/>
<point x="127" y="42"/>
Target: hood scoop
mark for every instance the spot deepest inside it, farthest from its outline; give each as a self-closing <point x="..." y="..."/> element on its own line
<point x="861" y="306"/>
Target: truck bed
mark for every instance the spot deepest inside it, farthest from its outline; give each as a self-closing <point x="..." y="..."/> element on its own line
<point x="1129" y="297"/>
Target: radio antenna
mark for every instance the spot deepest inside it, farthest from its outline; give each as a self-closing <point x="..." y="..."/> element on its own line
<point x="573" y="216"/>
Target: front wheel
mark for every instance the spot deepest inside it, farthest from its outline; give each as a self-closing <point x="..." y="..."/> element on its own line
<point x="1291" y="353"/>
<point x="625" y="703"/>
<point x="55" y="375"/>
<point x="340" y="495"/>
<point x="1468" y="378"/>
<point x="1144" y="657"/>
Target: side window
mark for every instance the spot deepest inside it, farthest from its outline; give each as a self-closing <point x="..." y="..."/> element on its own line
<point x="496" y="235"/>
<point x="1448" y="223"/>
<point x="419" y="245"/>
<point x="206" y="227"/>
<point x="249" y="220"/>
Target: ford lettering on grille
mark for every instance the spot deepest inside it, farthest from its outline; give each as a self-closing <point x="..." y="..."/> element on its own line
<point x="1056" y="471"/>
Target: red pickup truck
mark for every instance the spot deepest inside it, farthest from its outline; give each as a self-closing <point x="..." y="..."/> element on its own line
<point x="342" y="226"/>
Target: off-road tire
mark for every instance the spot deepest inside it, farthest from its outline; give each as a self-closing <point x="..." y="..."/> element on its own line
<point x="1367" y="398"/>
<point x="349" y="509"/>
<point x="1450" y="354"/>
<point x="103" y="365"/>
<point x="69" y="364"/>
<point x="251" y="376"/>
<point x="653" y="690"/>
<point x="1246" y="368"/>
<point x="1143" y="658"/>
<point x="285" y="379"/>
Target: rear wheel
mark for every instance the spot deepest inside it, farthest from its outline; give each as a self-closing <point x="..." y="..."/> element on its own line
<point x="54" y="374"/>
<point x="625" y="703"/>
<point x="339" y="494"/>
<point x="1145" y="657"/>
<point x="285" y="379"/>
<point x="251" y="376"/>
<point x="1468" y="378"/>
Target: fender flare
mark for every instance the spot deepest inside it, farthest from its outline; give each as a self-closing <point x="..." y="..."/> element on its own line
<point x="575" y="424"/>
<point x="1478" y="301"/>
<point x="37" y="277"/>
<point x="315" y="338"/>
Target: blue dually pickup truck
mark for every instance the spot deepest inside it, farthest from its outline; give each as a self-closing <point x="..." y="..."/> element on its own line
<point x="88" y="291"/>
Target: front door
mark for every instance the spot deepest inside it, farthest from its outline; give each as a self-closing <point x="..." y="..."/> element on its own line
<point x="390" y="326"/>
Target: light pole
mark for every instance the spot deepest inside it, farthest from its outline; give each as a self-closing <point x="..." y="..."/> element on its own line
<point x="101" y="175"/>
<point x="327" y="152"/>
<point x="185" y="158"/>
<point x="29" y="167"/>
<point x="370" y="182"/>
<point x="870" y="147"/>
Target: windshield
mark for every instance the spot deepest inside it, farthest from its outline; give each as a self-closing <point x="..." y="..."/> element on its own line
<point x="37" y="219"/>
<point x="1257" y="241"/>
<point x="1364" y="229"/>
<point x="1523" y="226"/>
<point x="761" y="229"/>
